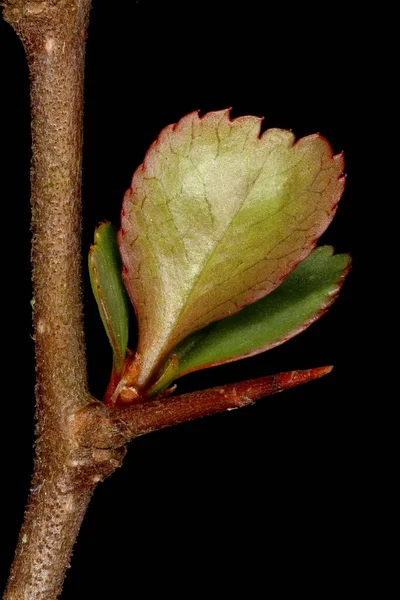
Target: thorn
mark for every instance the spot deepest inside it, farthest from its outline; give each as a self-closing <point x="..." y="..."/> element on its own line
<point x="159" y="413"/>
<point x="254" y="389"/>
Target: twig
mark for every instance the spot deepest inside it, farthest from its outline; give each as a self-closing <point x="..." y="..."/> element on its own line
<point x="53" y="33"/>
<point x="98" y="426"/>
<point x="80" y="441"/>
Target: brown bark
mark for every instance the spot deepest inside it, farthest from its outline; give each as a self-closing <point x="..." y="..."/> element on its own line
<point x="53" y="34"/>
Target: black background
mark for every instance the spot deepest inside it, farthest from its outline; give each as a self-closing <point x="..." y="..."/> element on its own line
<point x="244" y="500"/>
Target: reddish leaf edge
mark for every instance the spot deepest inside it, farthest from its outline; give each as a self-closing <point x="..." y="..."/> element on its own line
<point x="172" y="127"/>
<point x="324" y="309"/>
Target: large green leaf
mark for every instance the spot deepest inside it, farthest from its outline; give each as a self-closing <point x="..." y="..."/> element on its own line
<point x="108" y="289"/>
<point x="298" y="302"/>
<point x="215" y="218"/>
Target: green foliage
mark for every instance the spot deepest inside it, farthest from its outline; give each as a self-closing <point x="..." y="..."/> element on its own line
<point x="108" y="289"/>
<point x="298" y="302"/>
<point x="217" y="236"/>
<point x="215" y="218"/>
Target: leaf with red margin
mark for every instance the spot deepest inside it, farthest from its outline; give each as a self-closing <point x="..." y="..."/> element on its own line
<point x="303" y="297"/>
<point x="215" y="218"/>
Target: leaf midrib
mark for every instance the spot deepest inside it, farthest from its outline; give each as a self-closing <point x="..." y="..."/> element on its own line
<point x="202" y="269"/>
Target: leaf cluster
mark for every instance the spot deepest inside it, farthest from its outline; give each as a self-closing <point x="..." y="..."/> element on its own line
<point x="216" y="249"/>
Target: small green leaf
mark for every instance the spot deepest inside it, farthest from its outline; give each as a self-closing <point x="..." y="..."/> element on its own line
<point x="214" y="219"/>
<point x="108" y="289"/>
<point x="300" y="300"/>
